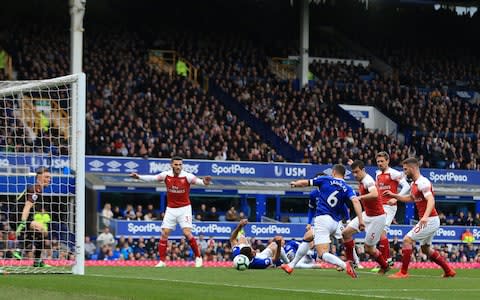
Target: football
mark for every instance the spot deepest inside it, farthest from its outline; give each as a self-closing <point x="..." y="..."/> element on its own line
<point x="241" y="262"/>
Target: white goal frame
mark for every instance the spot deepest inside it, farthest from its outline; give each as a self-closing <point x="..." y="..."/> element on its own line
<point x="77" y="142"/>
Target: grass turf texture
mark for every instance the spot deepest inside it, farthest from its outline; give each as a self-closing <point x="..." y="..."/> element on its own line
<point x="227" y="283"/>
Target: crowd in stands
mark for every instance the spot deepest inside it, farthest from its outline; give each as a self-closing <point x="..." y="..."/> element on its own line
<point x="138" y="213"/>
<point x="134" y="110"/>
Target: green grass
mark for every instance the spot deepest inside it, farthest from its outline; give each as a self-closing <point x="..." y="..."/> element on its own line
<point x="225" y="283"/>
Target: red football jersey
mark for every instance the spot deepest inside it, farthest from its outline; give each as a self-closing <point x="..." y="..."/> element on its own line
<point x="178" y="187"/>
<point x="388" y="181"/>
<point x="373" y="207"/>
<point x="421" y="188"/>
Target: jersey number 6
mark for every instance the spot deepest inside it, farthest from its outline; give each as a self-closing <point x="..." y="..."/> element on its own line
<point x="332" y="199"/>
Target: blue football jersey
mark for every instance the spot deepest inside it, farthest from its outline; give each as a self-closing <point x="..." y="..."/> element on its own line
<point x="333" y="194"/>
<point x="260" y="263"/>
<point x="315" y="196"/>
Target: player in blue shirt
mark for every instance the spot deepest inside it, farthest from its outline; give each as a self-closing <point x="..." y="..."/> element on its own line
<point x="262" y="260"/>
<point x="308" y="261"/>
<point x="334" y="193"/>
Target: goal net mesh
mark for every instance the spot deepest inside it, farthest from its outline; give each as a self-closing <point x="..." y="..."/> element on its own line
<point x="37" y="132"/>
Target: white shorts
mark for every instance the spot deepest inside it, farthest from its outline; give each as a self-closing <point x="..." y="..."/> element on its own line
<point x="266" y="253"/>
<point x="324" y="226"/>
<point x="373" y="227"/>
<point x="426" y="234"/>
<point x="179" y="215"/>
<point x="391" y="211"/>
<point x="338" y="233"/>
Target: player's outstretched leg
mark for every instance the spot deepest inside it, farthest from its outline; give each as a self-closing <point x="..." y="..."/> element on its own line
<point x="301" y="252"/>
<point x="439" y="260"/>
<point x="407" y="250"/>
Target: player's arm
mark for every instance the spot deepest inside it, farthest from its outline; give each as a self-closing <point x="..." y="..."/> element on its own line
<point x="372" y="194"/>
<point x="25" y="212"/>
<point x="428" y="195"/>
<point x="148" y="178"/>
<point x="233" y="237"/>
<point x="357" y="207"/>
<point x="397" y="197"/>
<point x="199" y="181"/>
<point x="430" y="205"/>
<point x="300" y="183"/>
<point x="405" y="186"/>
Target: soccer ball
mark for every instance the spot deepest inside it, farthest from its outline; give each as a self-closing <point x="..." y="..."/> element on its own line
<point x="241" y="262"/>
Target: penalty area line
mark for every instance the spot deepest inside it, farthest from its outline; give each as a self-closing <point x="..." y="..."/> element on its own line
<point x="321" y="291"/>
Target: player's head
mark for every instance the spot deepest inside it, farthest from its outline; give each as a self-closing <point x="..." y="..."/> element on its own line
<point x="411" y="167"/>
<point x="338" y="171"/>
<point x="248" y="252"/>
<point x="358" y="170"/>
<point x="383" y="159"/>
<point x="177" y="164"/>
<point x="43" y="176"/>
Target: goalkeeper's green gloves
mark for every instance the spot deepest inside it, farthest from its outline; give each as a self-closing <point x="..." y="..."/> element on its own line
<point x="21" y="227"/>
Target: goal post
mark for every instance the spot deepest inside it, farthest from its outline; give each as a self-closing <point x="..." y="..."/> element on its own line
<point x="42" y="125"/>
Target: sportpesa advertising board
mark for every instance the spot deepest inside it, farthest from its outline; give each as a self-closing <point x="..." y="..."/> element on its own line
<point x="223" y="230"/>
<point x="118" y="165"/>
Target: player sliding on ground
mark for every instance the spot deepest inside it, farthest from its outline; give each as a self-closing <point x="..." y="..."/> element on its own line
<point x="179" y="209"/>
<point x="334" y="192"/>
<point x="421" y="192"/>
<point x="265" y="259"/>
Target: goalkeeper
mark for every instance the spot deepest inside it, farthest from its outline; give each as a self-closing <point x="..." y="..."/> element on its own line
<point x="36" y="222"/>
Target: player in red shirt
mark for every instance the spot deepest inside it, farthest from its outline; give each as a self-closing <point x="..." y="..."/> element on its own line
<point x="373" y="216"/>
<point x="421" y="193"/>
<point x="388" y="179"/>
<point x="179" y="209"/>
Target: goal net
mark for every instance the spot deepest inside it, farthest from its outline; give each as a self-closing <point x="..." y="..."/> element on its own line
<point x="42" y="180"/>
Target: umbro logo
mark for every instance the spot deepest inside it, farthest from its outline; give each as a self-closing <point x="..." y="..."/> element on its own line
<point x="131" y="165"/>
<point x="114" y="164"/>
<point x="96" y="164"/>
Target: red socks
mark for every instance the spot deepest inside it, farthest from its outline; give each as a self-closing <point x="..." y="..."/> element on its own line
<point x="162" y="249"/>
<point x="384" y="247"/>
<point x="406" y="256"/>
<point x="349" y="249"/>
<point x="193" y="244"/>
<point x="439" y="260"/>
<point x="380" y="259"/>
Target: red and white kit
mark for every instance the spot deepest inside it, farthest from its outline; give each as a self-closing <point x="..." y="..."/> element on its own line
<point x="421" y="188"/>
<point x="373" y="216"/>
<point x="179" y="208"/>
<point x="389" y="180"/>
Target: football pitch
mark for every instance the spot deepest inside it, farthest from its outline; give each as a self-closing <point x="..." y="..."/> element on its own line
<point x="227" y="283"/>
